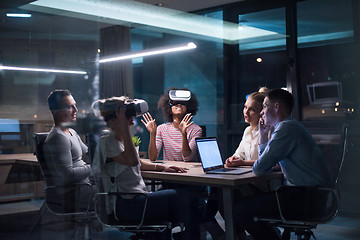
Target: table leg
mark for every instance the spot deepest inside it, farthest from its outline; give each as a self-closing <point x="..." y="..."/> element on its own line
<point x="228" y="196"/>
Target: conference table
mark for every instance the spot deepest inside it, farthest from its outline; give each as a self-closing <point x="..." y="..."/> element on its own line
<point x="20" y="177"/>
<point x="228" y="183"/>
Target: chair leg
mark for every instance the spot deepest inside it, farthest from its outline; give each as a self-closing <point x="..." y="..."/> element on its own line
<point x="87" y="232"/>
<point x="82" y="232"/>
<point x="305" y="235"/>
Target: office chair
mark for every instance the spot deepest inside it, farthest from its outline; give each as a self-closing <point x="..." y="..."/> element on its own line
<point x="323" y="204"/>
<point x="141" y="229"/>
<point x="84" y="218"/>
<point x="203" y="128"/>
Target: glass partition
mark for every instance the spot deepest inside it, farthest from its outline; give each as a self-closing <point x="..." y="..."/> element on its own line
<point x="262" y="63"/>
<point x="37" y="54"/>
<point x="59" y="48"/>
<point x="327" y="60"/>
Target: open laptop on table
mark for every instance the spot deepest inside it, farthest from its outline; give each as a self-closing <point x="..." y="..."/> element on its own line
<point x="210" y="157"/>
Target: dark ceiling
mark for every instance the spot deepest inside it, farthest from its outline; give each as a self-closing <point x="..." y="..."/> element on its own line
<point x="182" y="5"/>
<point x="13" y="3"/>
<point x="332" y="18"/>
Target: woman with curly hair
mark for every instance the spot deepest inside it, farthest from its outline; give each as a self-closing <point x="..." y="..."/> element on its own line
<point x="177" y="136"/>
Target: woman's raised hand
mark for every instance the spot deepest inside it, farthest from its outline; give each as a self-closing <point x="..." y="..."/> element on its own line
<point x="185" y="123"/>
<point x="149" y="123"/>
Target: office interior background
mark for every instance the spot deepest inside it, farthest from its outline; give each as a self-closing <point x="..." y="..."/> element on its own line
<point x="310" y="47"/>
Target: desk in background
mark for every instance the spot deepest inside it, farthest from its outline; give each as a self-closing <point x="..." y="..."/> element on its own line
<point x="20" y="177"/>
<point x="196" y="176"/>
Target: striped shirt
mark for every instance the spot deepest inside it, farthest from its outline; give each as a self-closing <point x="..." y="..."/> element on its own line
<point x="170" y="137"/>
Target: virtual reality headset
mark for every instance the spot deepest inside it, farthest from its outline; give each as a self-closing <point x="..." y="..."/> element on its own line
<point x="133" y="108"/>
<point x="136" y="108"/>
<point x="179" y="96"/>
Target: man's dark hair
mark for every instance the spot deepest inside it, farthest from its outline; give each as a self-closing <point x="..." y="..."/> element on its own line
<point x="164" y="104"/>
<point x="283" y="97"/>
<point x="55" y="99"/>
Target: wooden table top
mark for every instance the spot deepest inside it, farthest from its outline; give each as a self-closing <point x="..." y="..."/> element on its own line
<point x="196" y="176"/>
<point x="26" y="158"/>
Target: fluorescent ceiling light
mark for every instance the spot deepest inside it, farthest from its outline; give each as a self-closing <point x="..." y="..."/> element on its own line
<point x="40" y="70"/>
<point x="149" y="52"/>
<point x="19" y="15"/>
<point x="127" y="12"/>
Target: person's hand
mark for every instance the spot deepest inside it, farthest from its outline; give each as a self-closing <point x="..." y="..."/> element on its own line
<point x="185" y="123"/>
<point x="234" y="161"/>
<point x="174" y="169"/>
<point x="264" y="131"/>
<point x="122" y="121"/>
<point x="149" y="123"/>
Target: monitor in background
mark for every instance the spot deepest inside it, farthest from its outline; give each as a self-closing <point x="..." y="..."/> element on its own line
<point x="9" y="126"/>
<point x="324" y="93"/>
<point x="10" y="135"/>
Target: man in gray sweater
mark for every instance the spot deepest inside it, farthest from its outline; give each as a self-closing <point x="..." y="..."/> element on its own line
<point x="65" y="157"/>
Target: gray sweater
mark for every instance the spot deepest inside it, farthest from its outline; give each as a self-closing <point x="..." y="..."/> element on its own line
<point x="64" y="157"/>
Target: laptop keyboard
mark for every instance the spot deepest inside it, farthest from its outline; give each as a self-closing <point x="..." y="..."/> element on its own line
<point x="223" y="170"/>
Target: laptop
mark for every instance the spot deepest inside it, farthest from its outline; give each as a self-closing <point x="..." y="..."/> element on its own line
<point x="209" y="153"/>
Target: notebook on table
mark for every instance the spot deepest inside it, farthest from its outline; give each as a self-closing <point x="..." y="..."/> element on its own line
<point x="209" y="153"/>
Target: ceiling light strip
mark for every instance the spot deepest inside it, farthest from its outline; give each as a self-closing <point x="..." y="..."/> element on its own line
<point x="149" y="52"/>
<point x="19" y="15"/>
<point x="41" y="70"/>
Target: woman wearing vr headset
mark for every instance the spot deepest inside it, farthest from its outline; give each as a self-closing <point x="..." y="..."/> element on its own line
<point x="177" y="136"/>
<point x="117" y="165"/>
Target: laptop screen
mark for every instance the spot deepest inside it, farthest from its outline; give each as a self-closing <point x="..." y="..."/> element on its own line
<point x="209" y="152"/>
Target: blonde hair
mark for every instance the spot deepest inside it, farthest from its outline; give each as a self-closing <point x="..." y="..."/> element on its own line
<point x="263" y="89"/>
<point x="259" y="95"/>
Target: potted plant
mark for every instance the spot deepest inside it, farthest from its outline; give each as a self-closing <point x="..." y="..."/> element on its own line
<point x="136" y="140"/>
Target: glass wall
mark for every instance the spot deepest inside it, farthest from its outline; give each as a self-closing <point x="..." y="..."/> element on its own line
<point x="262" y="63"/>
<point x="327" y="60"/>
<point x="199" y="70"/>
<point x="36" y="55"/>
<point x="329" y="80"/>
<point x="47" y="42"/>
<point x="220" y="72"/>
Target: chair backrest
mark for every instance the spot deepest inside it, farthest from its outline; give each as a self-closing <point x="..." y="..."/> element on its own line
<point x="39" y="139"/>
<point x="100" y="202"/>
<point x="323" y="203"/>
<point x="343" y="150"/>
<point x="203" y="128"/>
<point x="61" y="204"/>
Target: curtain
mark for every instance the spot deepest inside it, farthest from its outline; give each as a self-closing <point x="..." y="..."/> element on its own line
<point x="115" y="77"/>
